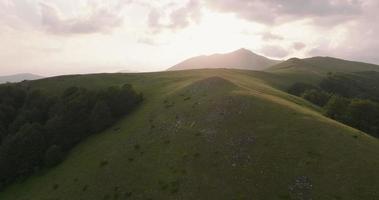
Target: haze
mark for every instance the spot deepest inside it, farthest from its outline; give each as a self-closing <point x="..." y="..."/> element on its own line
<point x="88" y="36"/>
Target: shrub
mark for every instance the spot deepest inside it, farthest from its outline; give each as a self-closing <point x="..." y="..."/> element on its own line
<point x="103" y="163"/>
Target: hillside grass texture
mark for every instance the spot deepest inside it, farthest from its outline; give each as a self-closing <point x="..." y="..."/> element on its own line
<point x="210" y="134"/>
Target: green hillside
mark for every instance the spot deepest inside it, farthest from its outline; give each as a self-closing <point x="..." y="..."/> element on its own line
<point x="312" y="70"/>
<point x="210" y="134"/>
<point x="324" y="64"/>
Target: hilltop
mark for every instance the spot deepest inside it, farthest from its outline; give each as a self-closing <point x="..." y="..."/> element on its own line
<point x="210" y="134"/>
<point x="313" y="70"/>
<point x="321" y="66"/>
<point x="314" y="67"/>
<point x="240" y="59"/>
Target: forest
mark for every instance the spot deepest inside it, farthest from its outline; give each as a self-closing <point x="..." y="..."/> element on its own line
<point x="352" y="99"/>
<point x="37" y="130"/>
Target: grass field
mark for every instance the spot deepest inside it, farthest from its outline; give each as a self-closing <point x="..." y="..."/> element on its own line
<point x="210" y="134"/>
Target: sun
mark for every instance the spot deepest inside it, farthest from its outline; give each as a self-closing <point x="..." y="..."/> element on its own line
<point x="219" y="33"/>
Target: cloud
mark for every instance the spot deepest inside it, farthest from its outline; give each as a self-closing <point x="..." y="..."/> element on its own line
<point x="149" y="41"/>
<point x="274" y="51"/>
<point x="268" y="36"/>
<point x="182" y="17"/>
<point x="19" y="14"/>
<point x="340" y="28"/>
<point x="85" y="17"/>
<point x="298" y="46"/>
<point x="175" y="19"/>
<point x="360" y="40"/>
<point x="279" y="11"/>
<point x="361" y="45"/>
<point x="99" y="20"/>
<point x="153" y="20"/>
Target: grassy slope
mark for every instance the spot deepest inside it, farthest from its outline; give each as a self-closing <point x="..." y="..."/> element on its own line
<point x="312" y="70"/>
<point x="210" y="134"/>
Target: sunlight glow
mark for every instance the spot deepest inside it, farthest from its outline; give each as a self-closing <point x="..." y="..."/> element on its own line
<point x="218" y="33"/>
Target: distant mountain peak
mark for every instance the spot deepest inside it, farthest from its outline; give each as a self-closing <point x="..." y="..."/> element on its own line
<point x="19" y="77"/>
<point x="295" y="60"/>
<point x="243" y="50"/>
<point x="239" y="59"/>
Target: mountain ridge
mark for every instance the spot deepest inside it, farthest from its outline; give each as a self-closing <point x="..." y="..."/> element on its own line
<point x="13" y="78"/>
<point x="324" y="64"/>
<point x="239" y="59"/>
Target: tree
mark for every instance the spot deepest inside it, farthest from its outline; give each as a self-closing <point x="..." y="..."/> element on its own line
<point x="53" y="156"/>
<point x="21" y="153"/>
<point x="7" y="114"/>
<point x="3" y="132"/>
<point x="336" y="108"/>
<point x="317" y="97"/>
<point x="299" y="88"/>
<point x="364" y="115"/>
<point x="12" y="95"/>
<point x="101" y="117"/>
<point x="38" y="106"/>
<point x="37" y="130"/>
<point x="341" y="84"/>
<point x="18" y="122"/>
<point x="121" y="100"/>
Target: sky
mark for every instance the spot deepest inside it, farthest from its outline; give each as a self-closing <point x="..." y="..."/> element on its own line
<point x="54" y="37"/>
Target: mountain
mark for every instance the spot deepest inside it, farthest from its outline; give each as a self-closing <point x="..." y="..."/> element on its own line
<point x="19" y="77"/>
<point x="240" y="59"/>
<point x="209" y="134"/>
<point x="127" y="71"/>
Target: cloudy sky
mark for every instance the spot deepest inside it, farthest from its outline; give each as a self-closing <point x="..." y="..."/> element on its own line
<point x="51" y="37"/>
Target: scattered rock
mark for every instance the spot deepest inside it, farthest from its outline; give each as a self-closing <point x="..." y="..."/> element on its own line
<point x="301" y="189"/>
<point x="241" y="149"/>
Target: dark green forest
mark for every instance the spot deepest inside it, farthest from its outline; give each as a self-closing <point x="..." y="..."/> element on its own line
<point x="37" y="130"/>
<point x="352" y="99"/>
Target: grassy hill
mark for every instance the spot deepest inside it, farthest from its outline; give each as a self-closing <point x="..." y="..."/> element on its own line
<point x="312" y="70"/>
<point x="210" y="134"/>
<point x="323" y="65"/>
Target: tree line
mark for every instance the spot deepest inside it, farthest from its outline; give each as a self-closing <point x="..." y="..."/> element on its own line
<point x="345" y="99"/>
<point x="37" y="130"/>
